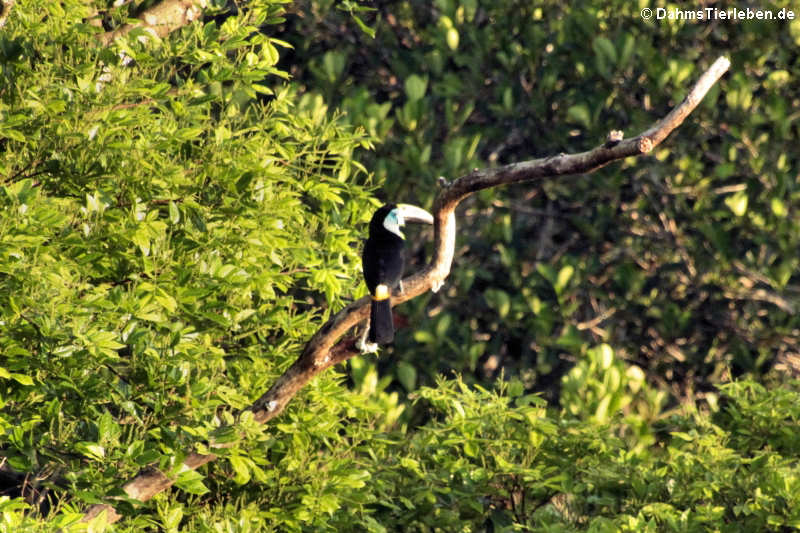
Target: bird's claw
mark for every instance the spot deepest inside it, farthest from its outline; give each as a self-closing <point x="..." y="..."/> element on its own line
<point x="366" y="347"/>
<point x="436" y="285"/>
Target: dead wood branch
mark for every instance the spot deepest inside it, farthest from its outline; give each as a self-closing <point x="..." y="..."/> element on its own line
<point x="161" y="19"/>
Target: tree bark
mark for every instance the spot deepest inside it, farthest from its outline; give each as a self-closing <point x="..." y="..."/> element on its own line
<point x="161" y="19"/>
<point x="6" y="6"/>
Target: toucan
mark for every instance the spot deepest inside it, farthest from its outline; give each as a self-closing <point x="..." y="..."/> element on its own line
<point x="383" y="259"/>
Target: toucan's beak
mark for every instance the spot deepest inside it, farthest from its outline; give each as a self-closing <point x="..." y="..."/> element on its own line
<point x="412" y="213"/>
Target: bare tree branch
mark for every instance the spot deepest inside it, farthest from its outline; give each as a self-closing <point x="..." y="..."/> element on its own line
<point x="6" y="6"/>
<point x="161" y="19"/>
<point x="325" y="350"/>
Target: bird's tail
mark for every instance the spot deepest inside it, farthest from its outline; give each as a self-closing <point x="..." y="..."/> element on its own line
<point x="381" y="326"/>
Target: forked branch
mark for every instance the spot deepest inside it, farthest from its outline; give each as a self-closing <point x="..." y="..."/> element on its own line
<point x="325" y="348"/>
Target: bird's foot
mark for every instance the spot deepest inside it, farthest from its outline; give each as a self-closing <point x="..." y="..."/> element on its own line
<point x="363" y="346"/>
<point x="436" y="285"/>
<point x="366" y="347"/>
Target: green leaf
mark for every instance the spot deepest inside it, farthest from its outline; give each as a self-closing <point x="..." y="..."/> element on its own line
<point x="174" y="213"/>
<point x="108" y="430"/>
<point x="605" y="356"/>
<point x="147" y="457"/>
<point x="366" y="29"/>
<point x="794" y="30"/>
<point x="241" y="469"/>
<point x="424" y="337"/>
<point x="173" y="517"/>
<point x="270" y="53"/>
<point x="191" y="481"/>
<point x="471" y="449"/>
<point x="737" y="203"/>
<point x="563" y="277"/>
<point x="22" y="379"/>
<point x="188" y="134"/>
<point x="407" y="375"/>
<point x="416" y="87"/>
<point x="452" y="38"/>
<point x="778" y="207"/>
<point x="601" y="413"/>
<point x="580" y="114"/>
<point x="499" y="301"/>
<point x="605" y="47"/>
<point x="14" y="135"/>
<point x="91" y="450"/>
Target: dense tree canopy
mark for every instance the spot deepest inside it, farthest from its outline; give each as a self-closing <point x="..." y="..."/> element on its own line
<point x="181" y="210"/>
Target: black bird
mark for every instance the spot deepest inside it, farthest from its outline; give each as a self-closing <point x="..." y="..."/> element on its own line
<point x="383" y="259"/>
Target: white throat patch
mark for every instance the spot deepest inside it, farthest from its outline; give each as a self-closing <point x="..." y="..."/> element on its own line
<point x="393" y="221"/>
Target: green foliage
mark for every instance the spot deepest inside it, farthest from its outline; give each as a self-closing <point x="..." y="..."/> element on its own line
<point x="600" y="386"/>
<point x="170" y="237"/>
<point x="179" y="215"/>
<point x="499" y="459"/>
